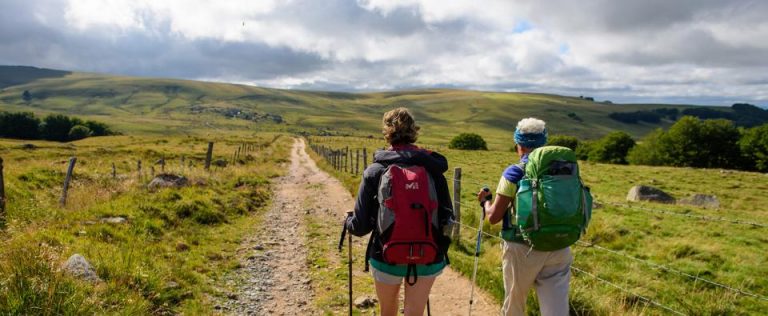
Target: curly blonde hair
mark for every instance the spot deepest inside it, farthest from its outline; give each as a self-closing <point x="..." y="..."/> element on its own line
<point x="399" y="127"/>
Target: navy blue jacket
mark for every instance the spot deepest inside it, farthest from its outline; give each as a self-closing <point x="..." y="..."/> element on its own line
<point x="363" y="220"/>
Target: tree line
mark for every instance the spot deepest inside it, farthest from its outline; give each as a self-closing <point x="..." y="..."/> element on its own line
<point x="690" y="142"/>
<point x="742" y="114"/>
<point x="54" y="127"/>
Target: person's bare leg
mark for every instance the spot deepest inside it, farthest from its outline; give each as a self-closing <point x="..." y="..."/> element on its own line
<point x="388" y="298"/>
<point x="416" y="296"/>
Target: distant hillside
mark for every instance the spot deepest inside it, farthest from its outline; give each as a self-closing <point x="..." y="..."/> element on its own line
<point x="16" y="75"/>
<point x="147" y="105"/>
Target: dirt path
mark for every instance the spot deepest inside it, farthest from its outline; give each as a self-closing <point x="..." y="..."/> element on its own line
<point x="275" y="268"/>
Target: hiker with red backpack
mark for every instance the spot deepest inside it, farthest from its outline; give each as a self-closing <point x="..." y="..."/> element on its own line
<point x="550" y="211"/>
<point x="403" y="201"/>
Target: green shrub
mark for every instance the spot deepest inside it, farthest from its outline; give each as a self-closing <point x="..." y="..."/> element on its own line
<point x="648" y="152"/>
<point x="79" y="132"/>
<point x="612" y="148"/>
<point x="22" y="125"/>
<point x="468" y="141"/>
<point x="583" y="149"/>
<point x="754" y="148"/>
<point x="692" y="142"/>
<point x="563" y="140"/>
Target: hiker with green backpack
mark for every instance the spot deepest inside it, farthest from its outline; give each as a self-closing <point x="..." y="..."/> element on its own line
<point x="544" y="208"/>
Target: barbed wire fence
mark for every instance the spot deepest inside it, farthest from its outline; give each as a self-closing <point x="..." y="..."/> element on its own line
<point x="349" y="160"/>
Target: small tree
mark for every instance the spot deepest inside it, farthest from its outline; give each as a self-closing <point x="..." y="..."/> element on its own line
<point x="56" y="127"/>
<point x="612" y="148"/>
<point x="26" y="96"/>
<point x="79" y="132"/>
<point x="22" y="125"/>
<point x="583" y="149"/>
<point x="649" y="151"/>
<point x="468" y="141"/>
<point x="754" y="147"/>
<point x="563" y="140"/>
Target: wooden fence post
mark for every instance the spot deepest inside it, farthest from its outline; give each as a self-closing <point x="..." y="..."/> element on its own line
<point x="152" y="172"/>
<point x="456" y="203"/>
<point x="162" y="164"/>
<point x="63" y="200"/>
<point x="357" y="161"/>
<point x="208" y="156"/>
<point x="346" y="159"/>
<point x="138" y="168"/>
<point x="2" y="196"/>
<point x="114" y="171"/>
<point x="365" y="158"/>
<point x="336" y="159"/>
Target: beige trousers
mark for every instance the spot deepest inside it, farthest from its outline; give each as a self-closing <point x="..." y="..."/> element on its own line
<point x="549" y="271"/>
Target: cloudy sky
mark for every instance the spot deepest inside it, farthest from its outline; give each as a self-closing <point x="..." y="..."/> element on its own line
<point x="682" y="51"/>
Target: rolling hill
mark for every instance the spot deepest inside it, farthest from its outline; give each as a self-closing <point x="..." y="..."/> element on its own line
<point x="136" y="105"/>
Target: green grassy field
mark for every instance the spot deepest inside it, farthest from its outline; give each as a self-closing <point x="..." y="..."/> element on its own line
<point x="631" y="240"/>
<point x="165" y="106"/>
<point x="145" y="272"/>
<point x="171" y="254"/>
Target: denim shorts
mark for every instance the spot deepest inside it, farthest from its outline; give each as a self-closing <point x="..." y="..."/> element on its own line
<point x="387" y="278"/>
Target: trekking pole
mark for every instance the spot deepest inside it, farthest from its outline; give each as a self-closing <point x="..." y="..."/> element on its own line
<point x="477" y="250"/>
<point x="349" y="257"/>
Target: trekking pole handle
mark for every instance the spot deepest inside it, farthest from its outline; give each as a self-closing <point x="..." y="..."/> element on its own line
<point x="488" y="197"/>
<point x="344" y="230"/>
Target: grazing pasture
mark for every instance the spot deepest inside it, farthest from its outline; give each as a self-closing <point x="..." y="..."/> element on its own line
<point x="637" y="258"/>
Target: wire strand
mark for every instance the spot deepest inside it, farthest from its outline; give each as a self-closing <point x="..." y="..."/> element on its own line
<point x="647" y="300"/>
<point x="701" y="217"/>
<point x="673" y="270"/>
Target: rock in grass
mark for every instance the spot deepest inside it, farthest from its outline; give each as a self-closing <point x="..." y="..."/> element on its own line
<point x="364" y="302"/>
<point x="649" y="194"/>
<point x="80" y="268"/>
<point x="167" y="180"/>
<point x="220" y="163"/>
<point x="701" y="200"/>
<point x="114" y="220"/>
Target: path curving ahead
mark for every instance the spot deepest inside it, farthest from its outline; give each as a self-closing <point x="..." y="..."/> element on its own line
<point x="275" y="273"/>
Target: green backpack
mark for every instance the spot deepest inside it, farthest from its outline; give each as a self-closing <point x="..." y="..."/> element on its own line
<point x="553" y="207"/>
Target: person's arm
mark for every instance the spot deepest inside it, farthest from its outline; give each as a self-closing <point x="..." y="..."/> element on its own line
<point x="366" y="206"/>
<point x="495" y="211"/>
<point x="445" y="205"/>
<point x="505" y="193"/>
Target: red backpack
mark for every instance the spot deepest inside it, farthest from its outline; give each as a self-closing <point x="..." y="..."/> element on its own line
<point x="407" y="216"/>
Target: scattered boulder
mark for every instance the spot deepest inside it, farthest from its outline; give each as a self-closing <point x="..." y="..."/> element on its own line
<point x="364" y="302"/>
<point x="28" y="146"/>
<point x="114" y="220"/>
<point x="167" y="180"/>
<point x="650" y="194"/>
<point x="701" y="200"/>
<point x="221" y="163"/>
<point x="78" y="267"/>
